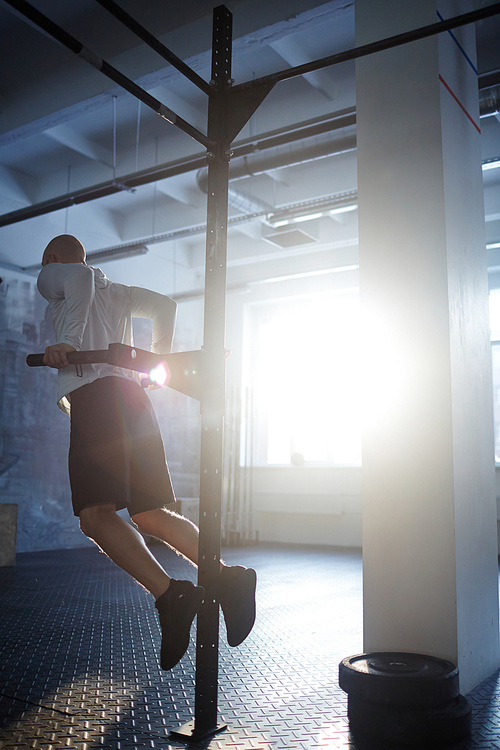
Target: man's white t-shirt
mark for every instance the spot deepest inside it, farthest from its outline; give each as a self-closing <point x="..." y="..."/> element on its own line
<point x="90" y="312"/>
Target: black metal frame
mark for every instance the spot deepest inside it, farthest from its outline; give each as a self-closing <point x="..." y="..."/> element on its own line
<point x="128" y="182"/>
<point x="369" y="49"/>
<point x="230" y="107"/>
<point x="213" y="401"/>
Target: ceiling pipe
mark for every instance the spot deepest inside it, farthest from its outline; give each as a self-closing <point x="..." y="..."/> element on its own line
<point x="284" y="156"/>
<point x="246" y="147"/>
<point x="245" y="204"/>
<point x="280" y="157"/>
<point x="489" y="102"/>
<point x="249" y="155"/>
<point x="136" y="247"/>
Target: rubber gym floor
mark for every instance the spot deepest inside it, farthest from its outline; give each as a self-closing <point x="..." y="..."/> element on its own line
<point x="80" y="645"/>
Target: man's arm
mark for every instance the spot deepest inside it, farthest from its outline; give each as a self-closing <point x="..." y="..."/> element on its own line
<point x="78" y="295"/>
<point x="162" y="310"/>
<point x="69" y="290"/>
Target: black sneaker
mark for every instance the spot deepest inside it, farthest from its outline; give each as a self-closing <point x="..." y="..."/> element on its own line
<point x="177" y="608"/>
<point x="237" y="601"/>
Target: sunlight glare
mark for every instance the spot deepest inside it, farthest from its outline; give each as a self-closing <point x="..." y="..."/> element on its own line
<point x="159" y="374"/>
<point x="494" y="299"/>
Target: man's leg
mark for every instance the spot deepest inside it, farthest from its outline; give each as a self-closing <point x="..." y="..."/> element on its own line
<point x="125" y="546"/>
<point x="237" y="584"/>
<point x="177" y="601"/>
<point x="177" y="531"/>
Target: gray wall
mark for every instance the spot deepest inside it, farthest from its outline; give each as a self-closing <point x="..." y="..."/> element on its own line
<point x="33" y="432"/>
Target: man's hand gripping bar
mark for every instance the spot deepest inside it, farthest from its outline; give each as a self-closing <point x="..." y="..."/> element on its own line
<point x="184" y="370"/>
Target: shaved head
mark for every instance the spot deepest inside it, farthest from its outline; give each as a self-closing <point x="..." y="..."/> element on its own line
<point x="64" y="249"/>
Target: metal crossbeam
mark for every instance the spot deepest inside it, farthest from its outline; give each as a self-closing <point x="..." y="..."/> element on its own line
<point x="156" y="45"/>
<point x="57" y="33"/>
<point x="369" y="49"/>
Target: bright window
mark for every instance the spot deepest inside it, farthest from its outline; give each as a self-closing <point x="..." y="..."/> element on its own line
<point x="495" y="355"/>
<point x="494" y="300"/>
<point x="303" y="366"/>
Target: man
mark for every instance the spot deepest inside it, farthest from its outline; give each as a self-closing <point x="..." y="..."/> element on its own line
<point x="116" y="455"/>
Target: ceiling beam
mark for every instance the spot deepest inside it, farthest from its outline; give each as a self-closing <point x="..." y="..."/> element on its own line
<point x="75" y="141"/>
<point x="291" y="51"/>
<point x="18" y="121"/>
<point x="177" y="188"/>
<point x="15" y="188"/>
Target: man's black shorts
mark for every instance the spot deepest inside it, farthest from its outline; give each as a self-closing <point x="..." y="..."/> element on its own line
<point x="116" y="453"/>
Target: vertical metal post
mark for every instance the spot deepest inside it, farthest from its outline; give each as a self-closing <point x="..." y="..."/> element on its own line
<point x="213" y="398"/>
<point x="226" y="117"/>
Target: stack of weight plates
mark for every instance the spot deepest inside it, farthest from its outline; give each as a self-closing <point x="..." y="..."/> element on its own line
<point x="408" y="699"/>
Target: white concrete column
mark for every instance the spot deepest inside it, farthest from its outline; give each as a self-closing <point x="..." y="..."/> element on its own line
<point x="429" y="514"/>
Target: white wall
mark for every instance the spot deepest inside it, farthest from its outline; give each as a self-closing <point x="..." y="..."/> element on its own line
<point x="303" y="505"/>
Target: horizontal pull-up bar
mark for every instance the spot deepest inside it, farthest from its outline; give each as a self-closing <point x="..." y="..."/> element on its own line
<point x="369" y="49"/>
<point x="183" y="370"/>
<point x="68" y="41"/>
<point x="156" y="45"/>
<point x="96" y="356"/>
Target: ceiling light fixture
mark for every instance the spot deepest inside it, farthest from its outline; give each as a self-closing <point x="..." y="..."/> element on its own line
<point x="491" y="164"/>
<point x="306" y="274"/>
<point x="308" y="217"/>
<point x="342" y="209"/>
<point x="115" y="253"/>
<point x="290" y="218"/>
<point x="493" y="246"/>
<point x="312" y="209"/>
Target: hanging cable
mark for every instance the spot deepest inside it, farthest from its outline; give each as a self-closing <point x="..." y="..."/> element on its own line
<point x="67" y="208"/>
<point x="137" y="136"/>
<point x="155" y="190"/>
<point x="175" y="267"/>
<point x="114" y="137"/>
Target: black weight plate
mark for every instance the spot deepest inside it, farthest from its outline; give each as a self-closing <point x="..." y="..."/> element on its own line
<point x="414" y="727"/>
<point x="399" y="678"/>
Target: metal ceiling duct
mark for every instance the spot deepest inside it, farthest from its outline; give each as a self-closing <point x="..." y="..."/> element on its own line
<point x="290" y="156"/>
<point x="276" y="158"/>
<point x="489" y="102"/>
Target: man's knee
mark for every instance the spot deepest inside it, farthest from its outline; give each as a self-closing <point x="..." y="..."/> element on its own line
<point x="94" y="518"/>
<point x="149" y="520"/>
<point x="146" y="521"/>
